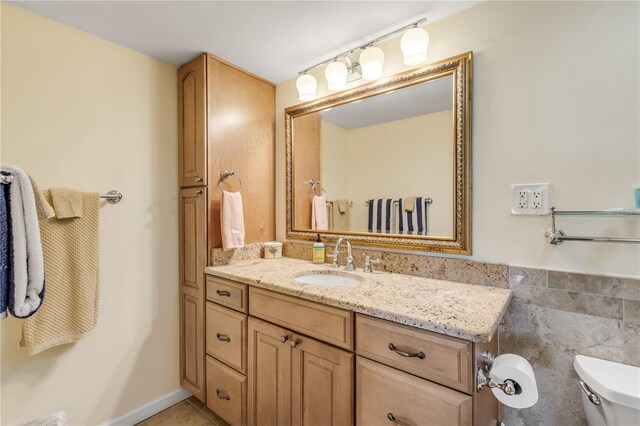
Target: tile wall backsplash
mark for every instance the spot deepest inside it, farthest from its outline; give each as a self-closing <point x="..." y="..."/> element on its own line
<point x="553" y="316"/>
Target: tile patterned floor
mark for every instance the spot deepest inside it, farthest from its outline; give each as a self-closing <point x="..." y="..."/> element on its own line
<point x="190" y="412"/>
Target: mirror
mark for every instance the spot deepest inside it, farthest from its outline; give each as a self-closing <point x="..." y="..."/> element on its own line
<point x="387" y="163"/>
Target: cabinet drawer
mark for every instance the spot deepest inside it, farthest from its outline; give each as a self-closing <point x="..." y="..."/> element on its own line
<point x="227" y="336"/>
<point x="226" y="392"/>
<point x="384" y="394"/>
<point x="227" y="293"/>
<point x="445" y="360"/>
<point x="331" y="325"/>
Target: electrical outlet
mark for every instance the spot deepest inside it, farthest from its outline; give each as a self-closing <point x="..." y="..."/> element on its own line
<point x="523" y="198"/>
<point x="532" y="198"/>
<point x="536" y="199"/>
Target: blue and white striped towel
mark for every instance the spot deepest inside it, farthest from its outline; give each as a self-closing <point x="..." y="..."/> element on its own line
<point x="413" y="222"/>
<point x="382" y="216"/>
<point x="5" y="249"/>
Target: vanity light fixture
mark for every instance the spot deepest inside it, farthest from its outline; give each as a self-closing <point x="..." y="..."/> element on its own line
<point x="342" y="69"/>
<point x="307" y="86"/>
<point x="414" y="44"/>
<point x="371" y="61"/>
<point x="336" y="74"/>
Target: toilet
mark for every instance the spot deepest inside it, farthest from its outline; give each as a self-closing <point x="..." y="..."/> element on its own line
<point x="610" y="391"/>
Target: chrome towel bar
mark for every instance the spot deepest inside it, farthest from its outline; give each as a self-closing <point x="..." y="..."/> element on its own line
<point x="114" y="196"/>
<point x="557" y="236"/>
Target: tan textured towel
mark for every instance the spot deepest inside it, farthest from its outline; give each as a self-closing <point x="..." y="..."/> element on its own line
<point x="342" y="204"/>
<point x="70" y="307"/>
<point x="341" y="220"/>
<point x="409" y="203"/>
<point x="43" y="208"/>
<point x="67" y="203"/>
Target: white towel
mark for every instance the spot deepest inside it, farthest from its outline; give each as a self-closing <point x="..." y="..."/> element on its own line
<point x="319" y="220"/>
<point x="232" y="220"/>
<point x="412" y="222"/>
<point x="382" y="216"/>
<point x="27" y="288"/>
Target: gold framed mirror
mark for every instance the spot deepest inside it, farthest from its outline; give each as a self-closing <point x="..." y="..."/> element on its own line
<point x="387" y="164"/>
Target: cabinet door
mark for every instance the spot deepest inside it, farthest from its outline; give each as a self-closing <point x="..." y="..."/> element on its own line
<point x="193" y="238"/>
<point x="192" y="123"/>
<point x="192" y="263"/>
<point x="269" y="374"/>
<point x="192" y="375"/>
<point x="322" y="381"/>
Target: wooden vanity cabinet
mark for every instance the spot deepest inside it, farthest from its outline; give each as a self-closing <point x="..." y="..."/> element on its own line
<point x="226" y="120"/>
<point x="312" y="364"/>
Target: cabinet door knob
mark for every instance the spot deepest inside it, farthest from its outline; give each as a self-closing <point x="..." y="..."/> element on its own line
<point x="199" y="192"/>
<point x="392" y="418"/>
<point x="223" y="337"/>
<point x="199" y="180"/>
<point x="284" y="338"/>
<point x="420" y="354"/>
<point x="224" y="293"/>
<point x="294" y="342"/>
<point x="220" y="395"/>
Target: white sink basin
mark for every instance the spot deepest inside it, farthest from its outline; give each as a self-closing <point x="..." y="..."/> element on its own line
<point x="328" y="279"/>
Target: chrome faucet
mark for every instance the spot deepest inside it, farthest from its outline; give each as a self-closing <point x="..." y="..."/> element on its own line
<point x="336" y="253"/>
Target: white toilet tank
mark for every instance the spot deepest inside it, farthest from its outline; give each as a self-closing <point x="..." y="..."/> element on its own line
<point x="610" y="391"/>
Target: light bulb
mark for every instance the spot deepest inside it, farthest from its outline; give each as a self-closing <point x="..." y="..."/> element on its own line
<point x="306" y="85"/>
<point x="336" y="74"/>
<point x="371" y="61"/>
<point x="414" y="45"/>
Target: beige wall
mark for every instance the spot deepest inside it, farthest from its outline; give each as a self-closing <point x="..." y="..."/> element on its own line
<point x="399" y="158"/>
<point x="80" y="112"/>
<point x="555" y="99"/>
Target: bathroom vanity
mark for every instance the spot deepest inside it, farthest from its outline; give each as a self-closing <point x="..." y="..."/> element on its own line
<point x="389" y="349"/>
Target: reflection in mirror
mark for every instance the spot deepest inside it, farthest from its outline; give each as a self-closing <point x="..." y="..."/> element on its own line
<point x="387" y="163"/>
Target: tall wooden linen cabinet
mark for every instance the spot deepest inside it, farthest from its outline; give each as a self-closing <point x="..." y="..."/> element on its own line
<point x="225" y="121"/>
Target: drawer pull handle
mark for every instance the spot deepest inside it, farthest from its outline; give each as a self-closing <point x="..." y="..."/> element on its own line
<point x="392" y="418"/>
<point x="220" y="395"/>
<point x="224" y="293"/>
<point x="294" y="343"/>
<point x="284" y="338"/>
<point x="420" y="354"/>
<point x="223" y="337"/>
<point x="199" y="180"/>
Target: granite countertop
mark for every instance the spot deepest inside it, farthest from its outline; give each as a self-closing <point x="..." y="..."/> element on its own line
<point x="468" y="311"/>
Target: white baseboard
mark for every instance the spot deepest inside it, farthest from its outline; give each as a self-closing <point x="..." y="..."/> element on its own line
<point x="149" y="409"/>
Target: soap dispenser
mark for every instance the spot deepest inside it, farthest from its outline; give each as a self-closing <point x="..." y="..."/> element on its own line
<point x="318" y="251"/>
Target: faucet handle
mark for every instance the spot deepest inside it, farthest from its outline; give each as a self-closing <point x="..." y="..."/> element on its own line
<point x="368" y="262"/>
<point x="334" y="256"/>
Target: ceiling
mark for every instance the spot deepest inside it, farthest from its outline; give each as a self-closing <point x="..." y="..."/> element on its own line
<point x="425" y="98"/>
<point x="273" y="39"/>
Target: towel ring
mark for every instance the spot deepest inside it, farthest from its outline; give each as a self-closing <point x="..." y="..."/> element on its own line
<point x="314" y="184"/>
<point x="225" y="174"/>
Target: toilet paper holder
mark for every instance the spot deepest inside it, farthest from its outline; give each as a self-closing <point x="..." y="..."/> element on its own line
<point x="509" y="387"/>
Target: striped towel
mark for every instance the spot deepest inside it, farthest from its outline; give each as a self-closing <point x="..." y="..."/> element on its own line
<point x="5" y="249"/>
<point x="412" y="222"/>
<point x="382" y="215"/>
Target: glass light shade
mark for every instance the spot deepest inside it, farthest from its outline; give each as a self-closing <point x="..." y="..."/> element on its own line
<point x="306" y="85"/>
<point x="336" y="74"/>
<point x="371" y="61"/>
<point x="414" y="45"/>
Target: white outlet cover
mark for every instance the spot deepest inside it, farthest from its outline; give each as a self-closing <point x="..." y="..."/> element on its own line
<point x="530" y="188"/>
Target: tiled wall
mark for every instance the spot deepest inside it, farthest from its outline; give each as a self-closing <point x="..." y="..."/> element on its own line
<point x="553" y="316"/>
